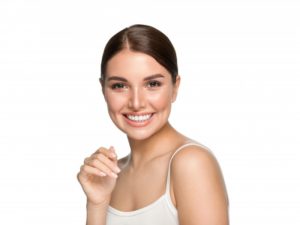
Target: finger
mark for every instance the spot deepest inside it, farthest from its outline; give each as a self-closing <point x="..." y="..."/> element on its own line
<point x="107" y="152"/>
<point x="86" y="170"/>
<point x="113" y="154"/>
<point x="96" y="163"/>
<point x="107" y="162"/>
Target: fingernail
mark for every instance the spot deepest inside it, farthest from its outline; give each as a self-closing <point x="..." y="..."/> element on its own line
<point x="102" y="174"/>
<point x="117" y="169"/>
<point x="114" y="175"/>
<point x="113" y="153"/>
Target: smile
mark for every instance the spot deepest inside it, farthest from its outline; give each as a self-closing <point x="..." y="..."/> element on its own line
<point x="139" y="118"/>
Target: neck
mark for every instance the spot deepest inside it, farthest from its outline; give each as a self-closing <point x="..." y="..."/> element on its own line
<point x="142" y="151"/>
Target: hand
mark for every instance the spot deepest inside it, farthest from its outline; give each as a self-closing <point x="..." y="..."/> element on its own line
<point x="98" y="175"/>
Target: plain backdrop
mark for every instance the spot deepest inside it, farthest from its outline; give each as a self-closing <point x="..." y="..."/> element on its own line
<point x="239" y="62"/>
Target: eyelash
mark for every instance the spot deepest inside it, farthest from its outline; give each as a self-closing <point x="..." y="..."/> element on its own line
<point x="150" y="84"/>
<point x="153" y="84"/>
<point x="118" y="86"/>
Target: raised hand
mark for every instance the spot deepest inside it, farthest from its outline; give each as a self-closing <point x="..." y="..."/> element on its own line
<point x="98" y="175"/>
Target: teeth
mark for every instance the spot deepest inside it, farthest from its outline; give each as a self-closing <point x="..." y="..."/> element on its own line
<point x="139" y="118"/>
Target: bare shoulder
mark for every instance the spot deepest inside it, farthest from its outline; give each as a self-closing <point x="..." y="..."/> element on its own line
<point x="198" y="186"/>
<point x="196" y="164"/>
<point x="194" y="156"/>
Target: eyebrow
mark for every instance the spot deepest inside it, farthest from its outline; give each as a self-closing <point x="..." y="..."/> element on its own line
<point x="154" y="76"/>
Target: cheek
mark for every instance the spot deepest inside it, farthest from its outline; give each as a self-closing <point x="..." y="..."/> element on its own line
<point x="114" y="102"/>
<point x="161" y="100"/>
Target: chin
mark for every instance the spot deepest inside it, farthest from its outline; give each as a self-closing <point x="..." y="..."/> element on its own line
<point x="142" y="132"/>
<point x="138" y="137"/>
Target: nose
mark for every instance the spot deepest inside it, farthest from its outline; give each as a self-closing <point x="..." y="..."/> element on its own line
<point x="137" y="99"/>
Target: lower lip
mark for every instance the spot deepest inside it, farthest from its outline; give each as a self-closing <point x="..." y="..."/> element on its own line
<point x="138" y="124"/>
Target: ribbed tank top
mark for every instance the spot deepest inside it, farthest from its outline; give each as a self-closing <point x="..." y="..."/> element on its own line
<point x="160" y="212"/>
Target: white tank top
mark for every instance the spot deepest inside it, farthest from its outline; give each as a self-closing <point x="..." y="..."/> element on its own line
<point x="160" y="212"/>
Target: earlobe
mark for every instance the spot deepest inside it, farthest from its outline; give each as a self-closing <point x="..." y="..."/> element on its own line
<point x="102" y="86"/>
<point x="101" y="82"/>
<point x="176" y="87"/>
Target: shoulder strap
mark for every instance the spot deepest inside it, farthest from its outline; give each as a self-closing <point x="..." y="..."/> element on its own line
<point x="177" y="150"/>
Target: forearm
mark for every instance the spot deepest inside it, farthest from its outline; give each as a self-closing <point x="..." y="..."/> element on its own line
<point x="96" y="215"/>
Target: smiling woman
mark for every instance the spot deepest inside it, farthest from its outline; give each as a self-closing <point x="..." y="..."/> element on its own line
<point x="141" y="96"/>
<point x="167" y="178"/>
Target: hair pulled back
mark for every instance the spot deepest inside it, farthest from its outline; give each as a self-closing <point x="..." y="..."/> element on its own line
<point x="144" y="39"/>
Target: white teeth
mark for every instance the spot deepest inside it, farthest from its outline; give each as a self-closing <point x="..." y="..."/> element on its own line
<point x="139" y="118"/>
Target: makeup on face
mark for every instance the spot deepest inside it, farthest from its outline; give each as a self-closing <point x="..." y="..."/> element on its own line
<point x="138" y="92"/>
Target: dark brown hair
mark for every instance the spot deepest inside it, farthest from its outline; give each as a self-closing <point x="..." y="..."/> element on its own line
<point x="145" y="39"/>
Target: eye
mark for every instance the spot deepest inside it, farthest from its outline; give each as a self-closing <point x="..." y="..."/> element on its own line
<point x="117" y="86"/>
<point x="153" y="84"/>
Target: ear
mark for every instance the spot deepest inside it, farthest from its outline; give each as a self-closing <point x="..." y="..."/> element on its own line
<point x="102" y="86"/>
<point x="176" y="87"/>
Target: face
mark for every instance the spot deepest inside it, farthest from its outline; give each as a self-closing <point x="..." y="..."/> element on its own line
<point x="139" y="93"/>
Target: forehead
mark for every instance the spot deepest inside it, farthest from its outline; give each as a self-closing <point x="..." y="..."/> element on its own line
<point x="129" y="63"/>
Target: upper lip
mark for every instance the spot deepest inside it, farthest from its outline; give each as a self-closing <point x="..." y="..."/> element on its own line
<point x="137" y="114"/>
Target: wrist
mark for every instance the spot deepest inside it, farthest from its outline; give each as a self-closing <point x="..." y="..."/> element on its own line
<point x="92" y="205"/>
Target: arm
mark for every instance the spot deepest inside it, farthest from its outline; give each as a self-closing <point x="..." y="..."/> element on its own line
<point x="199" y="189"/>
<point x="97" y="177"/>
<point x="96" y="215"/>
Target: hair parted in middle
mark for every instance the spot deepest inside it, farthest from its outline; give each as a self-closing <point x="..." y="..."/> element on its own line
<point x="144" y="39"/>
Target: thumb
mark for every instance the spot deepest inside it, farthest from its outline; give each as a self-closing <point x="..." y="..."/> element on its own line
<point x="114" y="156"/>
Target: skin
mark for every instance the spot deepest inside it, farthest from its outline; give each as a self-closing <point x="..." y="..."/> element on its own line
<point x="136" y="84"/>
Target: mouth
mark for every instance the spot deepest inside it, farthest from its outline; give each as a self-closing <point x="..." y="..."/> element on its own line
<point x="138" y="120"/>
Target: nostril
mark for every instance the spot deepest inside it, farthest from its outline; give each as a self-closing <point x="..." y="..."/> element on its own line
<point x="136" y="102"/>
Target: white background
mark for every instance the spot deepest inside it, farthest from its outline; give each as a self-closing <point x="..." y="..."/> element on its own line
<point x="239" y="63"/>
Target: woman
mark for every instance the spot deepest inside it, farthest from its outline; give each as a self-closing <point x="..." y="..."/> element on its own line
<point x="167" y="178"/>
